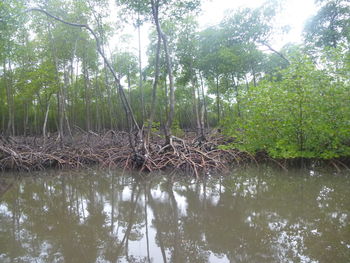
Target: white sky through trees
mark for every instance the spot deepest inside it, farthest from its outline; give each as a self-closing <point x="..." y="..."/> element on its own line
<point x="294" y="14"/>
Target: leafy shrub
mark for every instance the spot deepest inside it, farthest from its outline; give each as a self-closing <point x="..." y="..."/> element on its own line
<point x="305" y="114"/>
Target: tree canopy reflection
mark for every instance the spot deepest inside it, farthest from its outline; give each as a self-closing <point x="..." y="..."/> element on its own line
<point x="252" y="216"/>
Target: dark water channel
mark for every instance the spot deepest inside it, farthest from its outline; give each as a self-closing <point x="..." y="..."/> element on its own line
<point x="254" y="215"/>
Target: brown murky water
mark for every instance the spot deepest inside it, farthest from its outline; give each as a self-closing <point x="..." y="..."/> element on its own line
<point x="255" y="215"/>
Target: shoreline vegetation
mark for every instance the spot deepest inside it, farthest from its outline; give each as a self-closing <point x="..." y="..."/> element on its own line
<point x="110" y="150"/>
<point x="66" y="97"/>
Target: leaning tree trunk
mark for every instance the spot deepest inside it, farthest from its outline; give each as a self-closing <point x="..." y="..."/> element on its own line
<point x="102" y="125"/>
<point x="133" y="126"/>
<point x="154" y="89"/>
<point x="170" y="117"/>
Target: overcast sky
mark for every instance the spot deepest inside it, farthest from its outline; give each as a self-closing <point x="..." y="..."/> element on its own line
<point x="294" y="13"/>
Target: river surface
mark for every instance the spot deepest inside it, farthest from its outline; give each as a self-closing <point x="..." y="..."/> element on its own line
<point x="253" y="215"/>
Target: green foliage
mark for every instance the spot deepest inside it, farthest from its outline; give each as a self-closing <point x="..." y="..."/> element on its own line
<point x="176" y="129"/>
<point x="125" y="63"/>
<point x="288" y="110"/>
<point x="176" y="9"/>
<point x="305" y="114"/>
<point x="155" y="127"/>
<point x="331" y="25"/>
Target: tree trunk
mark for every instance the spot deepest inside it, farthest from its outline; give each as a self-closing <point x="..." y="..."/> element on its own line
<point x="140" y="69"/>
<point x="26" y="118"/>
<point x="10" y="100"/>
<point x="45" y="120"/>
<point x="154" y="91"/>
<point x="235" y="85"/>
<point x="166" y="97"/>
<point x="171" y="113"/>
<point x="170" y="117"/>
<point x="254" y="76"/>
<point x="64" y="99"/>
<point x="129" y="88"/>
<point x="204" y="102"/>
<point x="87" y="96"/>
<point x="109" y="99"/>
<point x="195" y="106"/>
<point x="101" y="123"/>
<point x="217" y="100"/>
<point x="60" y="99"/>
<point x="200" y="109"/>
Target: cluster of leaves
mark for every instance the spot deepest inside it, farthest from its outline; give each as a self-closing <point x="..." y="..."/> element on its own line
<point x="306" y="113"/>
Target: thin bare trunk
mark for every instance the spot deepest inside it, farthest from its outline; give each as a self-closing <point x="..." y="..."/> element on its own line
<point x="2" y="122"/>
<point x="200" y="114"/>
<point x="170" y="117"/>
<point x="246" y="82"/>
<point x="25" y="123"/>
<point x="10" y="100"/>
<point x="75" y="92"/>
<point x="254" y="77"/>
<point x="64" y="98"/>
<point x="99" y="106"/>
<point x="109" y="99"/>
<point x="60" y="100"/>
<point x="154" y="91"/>
<point x="35" y="129"/>
<point x="217" y="99"/>
<point x="235" y="85"/>
<point x="195" y="107"/>
<point x="70" y="113"/>
<point x="45" y="120"/>
<point x="129" y="87"/>
<point x="87" y="96"/>
<point x="140" y="69"/>
<point x="166" y="97"/>
<point x="204" y="101"/>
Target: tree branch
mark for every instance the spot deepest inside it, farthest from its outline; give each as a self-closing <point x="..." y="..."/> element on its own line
<point x="275" y="51"/>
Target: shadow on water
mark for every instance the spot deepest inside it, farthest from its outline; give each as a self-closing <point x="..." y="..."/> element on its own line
<point x="255" y="215"/>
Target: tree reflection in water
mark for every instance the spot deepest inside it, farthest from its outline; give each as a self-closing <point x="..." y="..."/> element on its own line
<point x="256" y="215"/>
